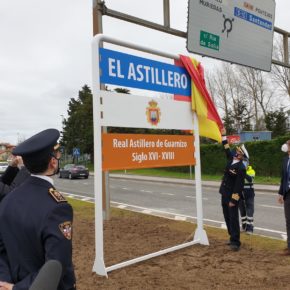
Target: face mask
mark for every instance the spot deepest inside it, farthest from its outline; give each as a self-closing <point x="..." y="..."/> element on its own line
<point x="56" y="171"/>
<point x="58" y="166"/>
<point x="284" y="148"/>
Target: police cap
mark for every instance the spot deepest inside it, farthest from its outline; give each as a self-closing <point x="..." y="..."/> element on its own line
<point x="44" y="142"/>
<point x="242" y="150"/>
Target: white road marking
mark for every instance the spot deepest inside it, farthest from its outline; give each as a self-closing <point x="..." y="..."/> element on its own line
<point x="193" y="196"/>
<point x="271" y="206"/>
<point x="180" y="218"/>
<point x="166" y="193"/>
<point x="87" y="198"/>
<point x="146" y="191"/>
<point x="284" y="237"/>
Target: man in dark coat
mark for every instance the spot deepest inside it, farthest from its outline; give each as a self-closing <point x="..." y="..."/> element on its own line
<point x="231" y="189"/>
<point x="13" y="176"/>
<point x="284" y="191"/>
<point x="35" y="219"/>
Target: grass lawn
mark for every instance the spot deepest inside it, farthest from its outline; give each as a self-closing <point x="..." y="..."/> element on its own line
<point x="85" y="210"/>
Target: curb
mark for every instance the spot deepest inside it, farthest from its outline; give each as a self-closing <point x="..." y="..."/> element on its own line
<point x="211" y="184"/>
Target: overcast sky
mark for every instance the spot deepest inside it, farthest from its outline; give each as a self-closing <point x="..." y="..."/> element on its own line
<point x="45" y="54"/>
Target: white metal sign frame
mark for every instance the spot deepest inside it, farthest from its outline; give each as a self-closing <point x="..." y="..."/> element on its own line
<point x="200" y="236"/>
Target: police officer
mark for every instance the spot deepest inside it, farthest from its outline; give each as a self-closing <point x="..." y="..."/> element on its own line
<point x="246" y="205"/>
<point x="284" y="192"/>
<point x="35" y="219"/>
<point x="231" y="189"/>
<point x="13" y="176"/>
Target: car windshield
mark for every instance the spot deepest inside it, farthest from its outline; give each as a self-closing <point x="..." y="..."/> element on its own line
<point x="80" y="167"/>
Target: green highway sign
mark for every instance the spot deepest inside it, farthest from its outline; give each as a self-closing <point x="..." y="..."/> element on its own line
<point x="209" y="40"/>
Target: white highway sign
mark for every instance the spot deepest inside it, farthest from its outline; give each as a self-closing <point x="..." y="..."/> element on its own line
<point x="232" y="30"/>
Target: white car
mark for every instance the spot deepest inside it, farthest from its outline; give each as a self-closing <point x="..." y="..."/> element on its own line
<point x="3" y="166"/>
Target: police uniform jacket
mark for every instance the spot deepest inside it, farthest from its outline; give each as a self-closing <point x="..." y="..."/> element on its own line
<point x="12" y="178"/>
<point x="35" y="226"/>
<point x="285" y="176"/>
<point x="6" y="180"/>
<point x="233" y="179"/>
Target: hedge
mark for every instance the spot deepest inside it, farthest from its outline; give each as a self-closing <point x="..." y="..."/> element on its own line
<point x="265" y="157"/>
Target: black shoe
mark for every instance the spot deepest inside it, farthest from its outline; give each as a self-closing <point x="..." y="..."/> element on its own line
<point x="249" y="229"/>
<point x="286" y="252"/>
<point x="235" y="248"/>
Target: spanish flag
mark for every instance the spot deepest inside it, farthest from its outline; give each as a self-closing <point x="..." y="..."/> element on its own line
<point x="210" y="123"/>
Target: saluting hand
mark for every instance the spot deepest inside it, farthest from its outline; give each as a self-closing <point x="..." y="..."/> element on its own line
<point x="6" y="286"/>
<point x="16" y="161"/>
<point x="280" y="199"/>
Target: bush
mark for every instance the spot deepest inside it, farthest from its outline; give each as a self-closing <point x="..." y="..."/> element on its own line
<point x="265" y="157"/>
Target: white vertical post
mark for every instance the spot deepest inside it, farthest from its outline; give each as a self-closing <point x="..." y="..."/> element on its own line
<point x="99" y="265"/>
<point x="200" y="233"/>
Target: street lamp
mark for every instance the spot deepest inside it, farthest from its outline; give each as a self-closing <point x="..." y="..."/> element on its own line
<point x="62" y="119"/>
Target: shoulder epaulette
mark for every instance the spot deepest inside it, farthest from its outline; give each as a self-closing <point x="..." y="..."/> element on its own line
<point x="226" y="146"/>
<point x="57" y="196"/>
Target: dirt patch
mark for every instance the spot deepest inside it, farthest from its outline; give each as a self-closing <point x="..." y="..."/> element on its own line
<point x="197" y="267"/>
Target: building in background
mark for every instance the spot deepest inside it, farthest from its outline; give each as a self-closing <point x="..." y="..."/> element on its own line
<point x="5" y="151"/>
<point x="249" y="136"/>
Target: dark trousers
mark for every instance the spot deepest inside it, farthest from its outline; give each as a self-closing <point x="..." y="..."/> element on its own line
<point x="231" y="216"/>
<point x="287" y="216"/>
<point x="246" y="207"/>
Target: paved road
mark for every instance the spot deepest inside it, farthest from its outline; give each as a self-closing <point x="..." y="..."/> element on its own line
<point x="177" y="200"/>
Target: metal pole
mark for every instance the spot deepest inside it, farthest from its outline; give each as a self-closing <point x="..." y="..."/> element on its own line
<point x="200" y="233"/>
<point x="99" y="265"/>
<point x="98" y="29"/>
<point x="97" y="18"/>
<point x="166" y="13"/>
<point x="285" y="45"/>
<point x="166" y="26"/>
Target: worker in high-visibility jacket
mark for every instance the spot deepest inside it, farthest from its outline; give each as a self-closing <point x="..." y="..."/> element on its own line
<point x="246" y="205"/>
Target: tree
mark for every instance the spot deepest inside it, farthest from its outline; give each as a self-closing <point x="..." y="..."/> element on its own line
<point x="244" y="95"/>
<point x="228" y="123"/>
<point x="78" y="127"/>
<point x="281" y="74"/>
<point x="276" y="122"/>
<point x="122" y="90"/>
<point x="229" y="96"/>
<point x="258" y="93"/>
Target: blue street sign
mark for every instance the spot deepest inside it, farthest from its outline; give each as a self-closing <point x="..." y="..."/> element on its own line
<point x="62" y="149"/>
<point x="76" y="152"/>
<point x="127" y="70"/>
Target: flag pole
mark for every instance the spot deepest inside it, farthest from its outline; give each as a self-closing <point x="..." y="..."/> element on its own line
<point x="200" y="233"/>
